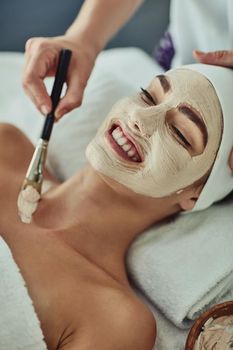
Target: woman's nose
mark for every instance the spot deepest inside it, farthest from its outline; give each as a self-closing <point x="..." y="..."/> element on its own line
<point x="144" y="121"/>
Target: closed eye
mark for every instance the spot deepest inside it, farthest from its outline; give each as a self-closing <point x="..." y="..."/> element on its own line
<point x="147" y="96"/>
<point x="179" y="135"/>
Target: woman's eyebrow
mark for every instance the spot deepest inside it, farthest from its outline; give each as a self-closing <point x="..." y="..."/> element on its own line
<point x="164" y="82"/>
<point x="196" y="120"/>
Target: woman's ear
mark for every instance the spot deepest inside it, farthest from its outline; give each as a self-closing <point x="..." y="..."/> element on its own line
<point x="188" y="198"/>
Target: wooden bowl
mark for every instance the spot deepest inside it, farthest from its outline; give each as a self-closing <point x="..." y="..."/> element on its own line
<point x="216" y="311"/>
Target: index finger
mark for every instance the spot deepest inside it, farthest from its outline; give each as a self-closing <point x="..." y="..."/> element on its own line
<point x="219" y="58"/>
<point x="33" y="84"/>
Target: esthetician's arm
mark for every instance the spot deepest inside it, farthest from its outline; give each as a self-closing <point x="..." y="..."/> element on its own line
<point x="220" y="58"/>
<point x="96" y="23"/>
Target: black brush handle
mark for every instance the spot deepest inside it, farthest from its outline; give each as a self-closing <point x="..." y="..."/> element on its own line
<point x="60" y="78"/>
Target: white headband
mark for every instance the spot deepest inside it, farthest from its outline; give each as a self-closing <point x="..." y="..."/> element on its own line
<point x="220" y="181"/>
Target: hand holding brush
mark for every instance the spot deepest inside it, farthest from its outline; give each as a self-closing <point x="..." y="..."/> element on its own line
<point x="30" y="193"/>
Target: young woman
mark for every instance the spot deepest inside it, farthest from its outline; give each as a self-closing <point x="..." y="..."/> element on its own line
<point x="150" y="159"/>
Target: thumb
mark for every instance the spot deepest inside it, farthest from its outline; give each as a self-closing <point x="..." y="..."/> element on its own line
<point x="219" y="58"/>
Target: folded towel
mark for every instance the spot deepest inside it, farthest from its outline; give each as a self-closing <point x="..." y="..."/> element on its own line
<point x="19" y="325"/>
<point x="170" y="337"/>
<point x="186" y="265"/>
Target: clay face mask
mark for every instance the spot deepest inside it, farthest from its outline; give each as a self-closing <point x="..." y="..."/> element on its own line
<point x="161" y="142"/>
<point x="217" y="334"/>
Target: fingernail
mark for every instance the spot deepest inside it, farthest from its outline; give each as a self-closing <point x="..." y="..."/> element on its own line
<point x="44" y="110"/>
<point x="200" y="53"/>
<point x="60" y="113"/>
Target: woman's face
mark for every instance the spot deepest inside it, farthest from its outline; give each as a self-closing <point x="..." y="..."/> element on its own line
<point x="162" y="139"/>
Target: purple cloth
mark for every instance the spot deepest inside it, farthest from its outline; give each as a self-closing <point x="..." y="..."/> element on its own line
<point x="164" y="51"/>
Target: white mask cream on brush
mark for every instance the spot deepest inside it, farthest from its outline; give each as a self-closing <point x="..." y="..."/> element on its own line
<point x="156" y="149"/>
<point x="27" y="204"/>
<point x="28" y="201"/>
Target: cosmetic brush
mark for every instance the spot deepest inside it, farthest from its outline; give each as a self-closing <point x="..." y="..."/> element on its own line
<point x="31" y="189"/>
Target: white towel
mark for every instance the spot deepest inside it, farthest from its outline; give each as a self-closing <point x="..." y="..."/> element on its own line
<point x="186" y="265"/>
<point x="19" y="325"/>
<point x="170" y="337"/>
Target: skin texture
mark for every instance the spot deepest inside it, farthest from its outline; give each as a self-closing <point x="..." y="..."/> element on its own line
<point x="79" y="301"/>
<point x="72" y="255"/>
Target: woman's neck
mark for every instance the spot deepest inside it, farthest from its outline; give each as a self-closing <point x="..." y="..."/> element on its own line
<point x="98" y="217"/>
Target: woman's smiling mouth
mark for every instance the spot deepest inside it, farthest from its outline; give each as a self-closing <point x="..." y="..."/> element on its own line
<point x="122" y="145"/>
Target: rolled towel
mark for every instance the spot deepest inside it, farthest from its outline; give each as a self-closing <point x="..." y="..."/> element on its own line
<point x="19" y="324"/>
<point x="186" y="265"/>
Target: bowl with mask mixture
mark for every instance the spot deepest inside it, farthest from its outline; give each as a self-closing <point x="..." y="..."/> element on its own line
<point x="213" y="330"/>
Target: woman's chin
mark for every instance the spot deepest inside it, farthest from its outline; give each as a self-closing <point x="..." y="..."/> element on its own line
<point x="93" y="156"/>
<point x="99" y="166"/>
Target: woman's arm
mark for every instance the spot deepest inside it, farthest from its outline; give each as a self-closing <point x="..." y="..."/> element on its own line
<point x="99" y="20"/>
<point x="96" y="23"/>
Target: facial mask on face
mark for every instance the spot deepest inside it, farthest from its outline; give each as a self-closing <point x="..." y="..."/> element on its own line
<point x="167" y="166"/>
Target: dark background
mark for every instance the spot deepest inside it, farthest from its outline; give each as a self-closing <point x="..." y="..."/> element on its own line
<point x="22" y="19"/>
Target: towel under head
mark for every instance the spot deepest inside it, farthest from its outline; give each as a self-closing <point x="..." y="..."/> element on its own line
<point x="220" y="180"/>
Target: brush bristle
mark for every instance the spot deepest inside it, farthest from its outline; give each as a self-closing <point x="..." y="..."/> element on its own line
<point x="27" y="203"/>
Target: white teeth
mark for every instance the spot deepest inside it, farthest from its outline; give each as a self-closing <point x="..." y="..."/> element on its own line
<point x="131" y="152"/>
<point x="126" y="147"/>
<point x="121" y="141"/>
<point x="114" y="133"/>
<point x="117" y="133"/>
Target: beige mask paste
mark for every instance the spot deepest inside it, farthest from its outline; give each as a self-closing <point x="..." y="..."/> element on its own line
<point x="167" y="166"/>
<point x="217" y="334"/>
<point x="27" y="204"/>
<point x="28" y="201"/>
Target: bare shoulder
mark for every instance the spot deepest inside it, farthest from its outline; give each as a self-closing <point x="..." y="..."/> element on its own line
<point x="125" y="323"/>
<point x="17" y="149"/>
<point x="132" y="324"/>
<point x="137" y="327"/>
